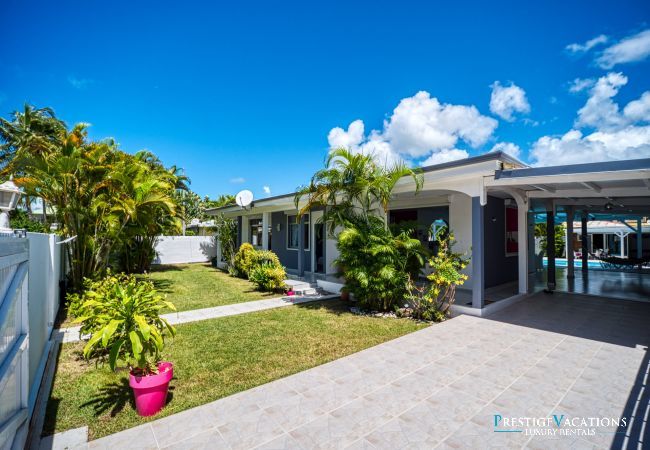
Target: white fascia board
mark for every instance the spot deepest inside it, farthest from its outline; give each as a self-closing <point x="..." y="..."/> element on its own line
<point x="588" y="193"/>
<point x="620" y="175"/>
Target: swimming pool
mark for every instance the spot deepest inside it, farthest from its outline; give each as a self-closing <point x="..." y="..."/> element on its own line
<point x="562" y="262"/>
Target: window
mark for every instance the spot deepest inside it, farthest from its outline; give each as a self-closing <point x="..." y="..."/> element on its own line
<point x="293" y="233"/>
<point x="256" y="232"/>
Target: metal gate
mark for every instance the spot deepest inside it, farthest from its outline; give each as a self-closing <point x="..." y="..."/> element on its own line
<point x="14" y="341"/>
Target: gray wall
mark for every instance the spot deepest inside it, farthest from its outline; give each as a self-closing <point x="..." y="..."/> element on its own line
<point x="288" y="258"/>
<point x="499" y="268"/>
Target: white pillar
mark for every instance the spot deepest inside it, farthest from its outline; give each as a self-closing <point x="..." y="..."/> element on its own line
<point x="522" y="244"/>
<point x="266" y="223"/>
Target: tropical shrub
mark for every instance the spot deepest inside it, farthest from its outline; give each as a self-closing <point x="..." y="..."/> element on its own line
<point x="122" y="316"/>
<point x="377" y="264"/>
<point x="356" y="190"/>
<point x="225" y="234"/>
<point x="104" y="197"/>
<point x="268" y="277"/>
<point x="433" y="300"/>
<point x="263" y="257"/>
<point x="242" y="260"/>
<point x="20" y="220"/>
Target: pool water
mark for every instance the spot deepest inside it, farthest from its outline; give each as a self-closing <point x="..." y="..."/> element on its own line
<point x="562" y="262"/>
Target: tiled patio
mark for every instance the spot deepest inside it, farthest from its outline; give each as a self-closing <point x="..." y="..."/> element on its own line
<point x="440" y="387"/>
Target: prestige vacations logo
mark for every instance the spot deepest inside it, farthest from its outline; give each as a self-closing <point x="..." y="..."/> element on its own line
<point x="559" y="425"/>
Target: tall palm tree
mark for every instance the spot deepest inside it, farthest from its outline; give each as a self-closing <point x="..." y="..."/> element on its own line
<point x="353" y="187"/>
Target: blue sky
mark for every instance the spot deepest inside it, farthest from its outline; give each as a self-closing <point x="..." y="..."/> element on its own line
<point x="245" y="94"/>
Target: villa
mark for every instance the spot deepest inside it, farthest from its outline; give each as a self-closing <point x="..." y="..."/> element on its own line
<point x="491" y="202"/>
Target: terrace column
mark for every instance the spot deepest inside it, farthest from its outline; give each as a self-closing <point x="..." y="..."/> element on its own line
<point x="585" y="247"/>
<point x="478" y="246"/>
<point x="550" y="250"/>
<point x="522" y="242"/>
<point x="266" y="223"/>
<point x="639" y="241"/>
<point x="301" y="247"/>
<point x="569" y="242"/>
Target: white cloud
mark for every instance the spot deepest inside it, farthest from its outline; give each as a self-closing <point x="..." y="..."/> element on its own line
<point x="616" y="135"/>
<point x="638" y="110"/>
<point x="444" y="156"/>
<point x="508" y="100"/>
<point x="507" y="147"/>
<point x="238" y="180"/>
<point x="600" y="111"/>
<point x="591" y="43"/>
<point x="338" y="137"/>
<point x="580" y="84"/>
<point x="573" y="148"/>
<point x="267" y="190"/>
<point x="79" y="83"/>
<point x="631" y="49"/>
<point x="419" y="127"/>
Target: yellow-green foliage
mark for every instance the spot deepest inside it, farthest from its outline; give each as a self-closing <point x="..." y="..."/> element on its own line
<point x="262" y="267"/>
<point x="432" y="302"/>
<point x="243" y="260"/>
<point x="268" y="277"/>
<point x="122" y="315"/>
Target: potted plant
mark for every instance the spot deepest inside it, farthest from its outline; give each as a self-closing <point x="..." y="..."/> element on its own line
<point x="122" y="316"/>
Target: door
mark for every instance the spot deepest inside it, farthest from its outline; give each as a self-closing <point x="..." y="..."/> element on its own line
<point x="319" y="247"/>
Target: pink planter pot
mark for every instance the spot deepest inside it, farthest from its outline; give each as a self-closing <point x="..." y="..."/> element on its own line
<point x="150" y="391"/>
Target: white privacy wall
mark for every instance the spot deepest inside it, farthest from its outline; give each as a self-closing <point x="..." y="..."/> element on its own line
<point x="184" y="249"/>
<point x="45" y="262"/>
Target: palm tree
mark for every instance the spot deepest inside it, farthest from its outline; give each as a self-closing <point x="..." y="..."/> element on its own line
<point x="353" y="187"/>
<point x="35" y="131"/>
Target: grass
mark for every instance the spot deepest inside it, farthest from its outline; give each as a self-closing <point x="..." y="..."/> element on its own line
<point x="216" y="358"/>
<point x="196" y="286"/>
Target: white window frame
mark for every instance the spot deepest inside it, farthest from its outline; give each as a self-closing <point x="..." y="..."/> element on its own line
<point x="307" y="223"/>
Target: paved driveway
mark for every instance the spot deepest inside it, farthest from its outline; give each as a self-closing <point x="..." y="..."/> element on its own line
<point x="569" y="355"/>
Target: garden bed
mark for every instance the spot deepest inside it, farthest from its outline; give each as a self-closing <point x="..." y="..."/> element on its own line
<point x="216" y="358"/>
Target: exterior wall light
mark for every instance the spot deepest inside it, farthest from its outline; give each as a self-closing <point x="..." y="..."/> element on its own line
<point x="9" y="196"/>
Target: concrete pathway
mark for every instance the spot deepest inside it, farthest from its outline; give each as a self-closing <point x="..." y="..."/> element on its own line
<point x="71" y="334"/>
<point x="440" y="387"/>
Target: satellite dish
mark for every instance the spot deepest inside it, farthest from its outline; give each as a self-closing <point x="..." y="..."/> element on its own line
<point x="244" y="198"/>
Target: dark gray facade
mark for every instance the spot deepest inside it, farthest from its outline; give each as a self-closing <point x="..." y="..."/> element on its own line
<point x="288" y="257"/>
<point x="498" y="267"/>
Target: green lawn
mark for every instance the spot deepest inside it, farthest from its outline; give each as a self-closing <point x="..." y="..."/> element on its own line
<point x="216" y="358"/>
<point x="196" y="286"/>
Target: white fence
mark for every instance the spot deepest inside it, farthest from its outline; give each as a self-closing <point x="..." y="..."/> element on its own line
<point x="30" y="270"/>
<point x="45" y="266"/>
<point x="184" y="249"/>
<point x="14" y="341"/>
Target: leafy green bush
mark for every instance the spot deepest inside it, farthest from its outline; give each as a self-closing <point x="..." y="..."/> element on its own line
<point x="242" y="260"/>
<point x="268" y="277"/>
<point x="122" y="316"/>
<point x="376" y="264"/>
<point x="20" y="220"/>
<point x="263" y="257"/>
<point x="433" y="301"/>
